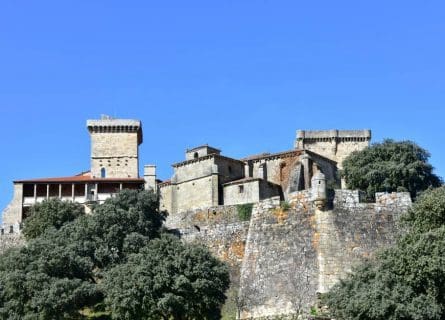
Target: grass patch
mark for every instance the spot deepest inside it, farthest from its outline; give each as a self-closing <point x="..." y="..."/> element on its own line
<point x="284" y="205"/>
<point x="244" y="211"/>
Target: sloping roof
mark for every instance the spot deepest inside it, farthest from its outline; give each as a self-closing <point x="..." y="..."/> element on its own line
<point x="209" y="156"/>
<point x="82" y="177"/>
<point x="266" y="155"/>
<point x="203" y="146"/>
<point x="243" y="180"/>
<point x="256" y="156"/>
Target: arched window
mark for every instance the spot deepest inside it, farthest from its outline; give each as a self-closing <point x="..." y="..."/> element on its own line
<point x="195" y="155"/>
<point x="103" y="173"/>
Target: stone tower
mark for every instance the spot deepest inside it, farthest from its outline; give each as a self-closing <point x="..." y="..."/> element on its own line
<point x="333" y="144"/>
<point x="115" y="147"/>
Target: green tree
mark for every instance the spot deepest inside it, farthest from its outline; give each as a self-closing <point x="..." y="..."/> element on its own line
<point x="51" y="213"/>
<point x="406" y="281"/>
<point x="59" y="273"/>
<point x="66" y="264"/>
<point x="390" y="166"/>
<point x="45" y="280"/>
<point x="428" y="212"/>
<point x="167" y="280"/>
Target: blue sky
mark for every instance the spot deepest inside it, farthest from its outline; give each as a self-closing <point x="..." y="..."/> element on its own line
<point x="240" y="75"/>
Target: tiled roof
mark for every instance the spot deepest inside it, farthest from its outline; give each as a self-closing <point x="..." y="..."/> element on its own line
<point x="82" y="177"/>
<point x="288" y="153"/>
<point x="209" y="156"/>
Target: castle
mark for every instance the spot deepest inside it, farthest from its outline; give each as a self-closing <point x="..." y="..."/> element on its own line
<point x="280" y="257"/>
<point x="206" y="178"/>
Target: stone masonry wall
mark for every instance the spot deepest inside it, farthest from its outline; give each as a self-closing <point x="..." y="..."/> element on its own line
<point x="354" y="230"/>
<point x="194" y="170"/>
<point x="250" y="193"/>
<point x="116" y="152"/>
<point x="283" y="257"/>
<point x="165" y="194"/>
<point x="13" y="212"/>
<point x="279" y="271"/>
<point x="10" y="237"/>
<point x="221" y="230"/>
<point x="291" y="255"/>
<point x="8" y="241"/>
<point x="193" y="194"/>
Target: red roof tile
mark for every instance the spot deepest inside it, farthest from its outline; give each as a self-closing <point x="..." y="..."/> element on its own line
<point x="82" y="177"/>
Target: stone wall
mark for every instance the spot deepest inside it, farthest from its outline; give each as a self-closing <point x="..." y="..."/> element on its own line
<point x="328" y="168"/>
<point x="194" y="194"/>
<point x="279" y="270"/>
<point x="221" y="230"/>
<point x="165" y="196"/>
<point x="10" y="237"/>
<point x="247" y="191"/>
<point x="354" y="230"/>
<point x="200" y="151"/>
<point x="278" y="169"/>
<point x="283" y="257"/>
<point x="8" y="241"/>
<point x="13" y="212"/>
<point x="333" y="144"/>
<point x="194" y="169"/>
<point x="229" y="169"/>
<point x="292" y="255"/>
<point x="197" y="183"/>
<point x="117" y="152"/>
<point x="218" y="227"/>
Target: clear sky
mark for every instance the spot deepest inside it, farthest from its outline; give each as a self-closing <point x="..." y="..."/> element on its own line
<point x="240" y="75"/>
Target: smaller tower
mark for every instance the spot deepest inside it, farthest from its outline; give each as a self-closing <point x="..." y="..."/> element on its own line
<point x="318" y="190"/>
<point x="115" y="147"/>
<point x="150" y="177"/>
<point x="201" y="151"/>
<point x="333" y="144"/>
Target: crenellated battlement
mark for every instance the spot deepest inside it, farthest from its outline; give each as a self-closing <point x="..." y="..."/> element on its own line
<point x="333" y="144"/>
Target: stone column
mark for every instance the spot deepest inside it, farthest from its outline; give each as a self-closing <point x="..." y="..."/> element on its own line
<point x="60" y="191"/>
<point x="306" y="171"/>
<point x="35" y="193"/>
<point x="47" y="191"/>
<point x="96" y="191"/>
<point x="299" y="141"/>
<point x="247" y="170"/>
<point x="72" y="191"/>
<point x="86" y="192"/>
<point x="262" y="171"/>
<point x="120" y="186"/>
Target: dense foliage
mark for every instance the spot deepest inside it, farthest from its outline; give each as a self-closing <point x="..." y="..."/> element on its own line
<point x="406" y="281"/>
<point x="428" y="212"/>
<point x="167" y="280"/>
<point x="68" y="269"/>
<point x="390" y="166"/>
<point x="51" y="213"/>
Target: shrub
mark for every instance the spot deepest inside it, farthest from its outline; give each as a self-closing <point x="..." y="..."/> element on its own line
<point x="244" y="211"/>
<point x="284" y="205"/>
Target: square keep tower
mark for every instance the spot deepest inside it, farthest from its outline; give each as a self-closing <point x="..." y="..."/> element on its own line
<point x="115" y="147"/>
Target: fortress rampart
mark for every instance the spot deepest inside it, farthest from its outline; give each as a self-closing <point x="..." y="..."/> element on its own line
<point x="282" y="258"/>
